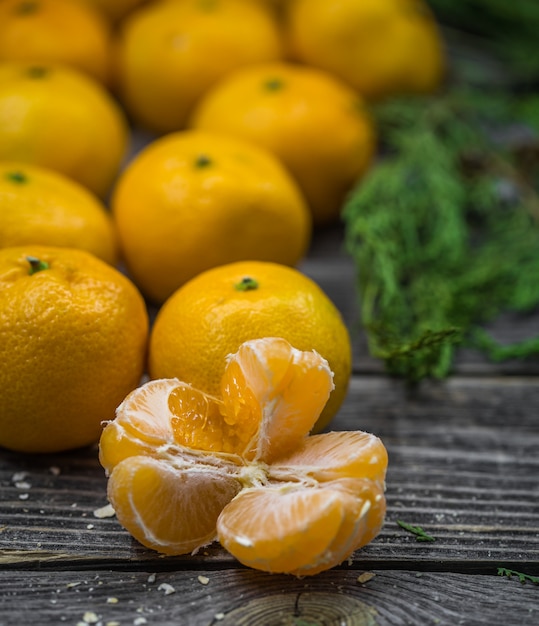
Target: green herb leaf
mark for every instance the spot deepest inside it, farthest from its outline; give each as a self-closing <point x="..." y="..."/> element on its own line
<point x="503" y="571"/>
<point x="420" y="534"/>
<point x="444" y="231"/>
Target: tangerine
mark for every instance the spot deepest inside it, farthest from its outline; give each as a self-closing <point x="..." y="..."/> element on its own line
<point x="41" y="206"/>
<point x="191" y="201"/>
<point x="58" y="118"/>
<point x="381" y="48"/>
<point x="73" y="337"/>
<point x="56" y="31"/>
<point x="185" y="468"/>
<point x="216" y="311"/>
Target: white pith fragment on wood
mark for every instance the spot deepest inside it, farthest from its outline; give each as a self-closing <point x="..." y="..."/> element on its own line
<point x="105" y="511"/>
<point x="365" y="577"/>
<point x="22" y="484"/>
<point x="168" y="589"/>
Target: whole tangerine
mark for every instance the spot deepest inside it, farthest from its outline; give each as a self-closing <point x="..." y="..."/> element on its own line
<point x="62" y="120"/>
<point x="382" y="48"/>
<point x="192" y="200"/>
<point x="41" y="206"/>
<point x="56" y="31"/>
<point x="73" y="339"/>
<point x="215" y="312"/>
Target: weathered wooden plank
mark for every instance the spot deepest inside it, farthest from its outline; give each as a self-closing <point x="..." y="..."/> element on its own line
<point x="240" y="597"/>
<point x="463" y="465"/>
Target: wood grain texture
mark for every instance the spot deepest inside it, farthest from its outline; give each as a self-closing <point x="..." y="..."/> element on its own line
<point x="243" y="598"/>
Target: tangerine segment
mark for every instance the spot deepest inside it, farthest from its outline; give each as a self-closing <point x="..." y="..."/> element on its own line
<point x="276" y="393"/>
<point x="334" y="455"/>
<point x="300" y="529"/>
<point x="280" y="529"/>
<point x="198" y="422"/>
<point x="363" y="522"/>
<point x="167" y="418"/>
<point x="142" y="424"/>
<point x="171" y="510"/>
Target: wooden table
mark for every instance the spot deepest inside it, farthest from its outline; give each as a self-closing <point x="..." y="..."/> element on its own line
<point x="464" y="465"/>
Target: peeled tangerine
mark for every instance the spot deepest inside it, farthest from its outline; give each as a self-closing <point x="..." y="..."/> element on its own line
<point x="186" y="468"/>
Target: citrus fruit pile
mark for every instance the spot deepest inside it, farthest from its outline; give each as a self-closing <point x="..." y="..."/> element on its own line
<point x="174" y="256"/>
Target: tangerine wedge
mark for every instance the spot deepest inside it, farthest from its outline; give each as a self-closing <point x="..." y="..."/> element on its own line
<point x="186" y="468"/>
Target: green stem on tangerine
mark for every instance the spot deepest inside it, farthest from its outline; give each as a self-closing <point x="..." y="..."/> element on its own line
<point x="36" y="265"/>
<point x="25" y="8"/>
<point x="203" y="161"/>
<point x="37" y="71"/>
<point x="274" y="84"/>
<point x="246" y="284"/>
<point x="17" y="177"/>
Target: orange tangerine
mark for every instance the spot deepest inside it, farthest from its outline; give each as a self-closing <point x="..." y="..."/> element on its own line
<point x="186" y="468"/>
<point x="73" y="337"/>
<point x="381" y="48"/>
<point x="191" y="201"/>
<point x="56" y="117"/>
<point x="215" y="312"/>
<point x="41" y="206"/>
<point x="56" y="31"/>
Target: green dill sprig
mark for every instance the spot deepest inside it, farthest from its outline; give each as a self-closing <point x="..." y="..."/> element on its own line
<point x="503" y="571"/>
<point x="419" y="533"/>
<point x="444" y="230"/>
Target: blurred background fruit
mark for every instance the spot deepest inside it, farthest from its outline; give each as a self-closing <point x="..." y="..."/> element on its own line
<point x="70" y="32"/>
<point x="56" y="117"/>
<point x="193" y="200"/>
<point x="41" y="206"/>
<point x="313" y="122"/>
<point x="169" y="52"/>
<point x="117" y="10"/>
<point x="275" y="5"/>
<point x="381" y="48"/>
<point x="73" y="338"/>
<point x="214" y="313"/>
